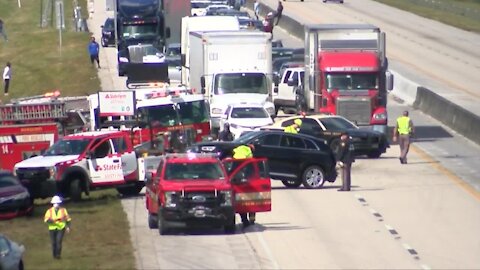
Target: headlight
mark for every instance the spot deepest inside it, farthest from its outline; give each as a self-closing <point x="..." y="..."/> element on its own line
<point x="380" y="116"/>
<point x="270" y="110"/>
<point x="216" y="111"/>
<point x="227" y="198"/>
<point x="52" y="171"/>
<point x="169" y="199"/>
<point x="123" y="59"/>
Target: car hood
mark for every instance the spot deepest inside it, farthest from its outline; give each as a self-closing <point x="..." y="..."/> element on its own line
<point x="44" y="161"/>
<point x="195" y="185"/>
<point x="363" y="133"/>
<point x="11" y="190"/>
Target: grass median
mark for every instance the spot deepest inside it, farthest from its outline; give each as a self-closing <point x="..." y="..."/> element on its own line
<point x="463" y="14"/>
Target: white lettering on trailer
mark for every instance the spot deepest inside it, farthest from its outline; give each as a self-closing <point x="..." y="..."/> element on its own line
<point x="6" y="139"/>
<point x="35" y="138"/>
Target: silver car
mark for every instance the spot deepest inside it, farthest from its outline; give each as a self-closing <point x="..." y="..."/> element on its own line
<point x="11" y="254"/>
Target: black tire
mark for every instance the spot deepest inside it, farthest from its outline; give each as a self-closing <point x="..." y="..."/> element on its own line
<point x="374" y="154"/>
<point x="152" y="221"/>
<point x="130" y="190"/>
<point x="335" y="146"/>
<point x="75" y="190"/>
<point x="230" y="227"/>
<point x="162" y="227"/>
<point x="313" y="177"/>
<point x="291" y="183"/>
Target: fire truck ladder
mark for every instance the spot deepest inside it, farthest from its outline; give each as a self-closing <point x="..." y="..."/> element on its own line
<point x="29" y="112"/>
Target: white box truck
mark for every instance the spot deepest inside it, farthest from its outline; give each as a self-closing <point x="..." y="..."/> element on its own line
<point x="198" y="24"/>
<point x="231" y="67"/>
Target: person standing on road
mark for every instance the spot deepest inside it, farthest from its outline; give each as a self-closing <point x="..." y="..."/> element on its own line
<point x="58" y="222"/>
<point x="268" y="23"/>
<point x="345" y="158"/>
<point x="402" y="133"/>
<point x="279" y="11"/>
<point x="94" y="50"/>
<point x="256" y="8"/>
<point x="295" y="127"/>
<point x="243" y="152"/>
<point x="225" y="135"/>
<point x="2" y="30"/>
<point x="7" y="75"/>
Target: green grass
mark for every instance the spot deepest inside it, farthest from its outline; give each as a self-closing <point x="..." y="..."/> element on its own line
<point x="38" y="65"/>
<point x="99" y="238"/>
<point x="463" y="14"/>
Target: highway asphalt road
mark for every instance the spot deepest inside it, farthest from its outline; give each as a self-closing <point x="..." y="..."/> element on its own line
<point x="415" y="216"/>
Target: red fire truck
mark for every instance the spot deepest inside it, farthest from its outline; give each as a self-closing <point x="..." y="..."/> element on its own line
<point x="176" y="112"/>
<point x="30" y="125"/>
<point x="346" y="73"/>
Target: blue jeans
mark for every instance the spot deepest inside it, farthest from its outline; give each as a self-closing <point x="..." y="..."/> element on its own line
<point x="56" y="237"/>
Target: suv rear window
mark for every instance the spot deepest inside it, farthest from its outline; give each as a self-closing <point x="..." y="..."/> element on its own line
<point x="192" y="171"/>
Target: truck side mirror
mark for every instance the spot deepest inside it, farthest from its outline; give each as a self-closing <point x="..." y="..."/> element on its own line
<point x="389" y="80"/>
<point x="149" y="177"/>
<point x="292" y="82"/>
<point x="202" y="84"/>
<point x="167" y="32"/>
<point x="88" y="154"/>
<point x="183" y="59"/>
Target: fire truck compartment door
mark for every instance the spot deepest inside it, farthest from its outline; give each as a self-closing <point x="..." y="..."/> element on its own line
<point x="251" y="184"/>
<point x="105" y="167"/>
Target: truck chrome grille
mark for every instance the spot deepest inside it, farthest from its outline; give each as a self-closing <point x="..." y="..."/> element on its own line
<point x="33" y="173"/>
<point x="208" y="199"/>
<point x="355" y="109"/>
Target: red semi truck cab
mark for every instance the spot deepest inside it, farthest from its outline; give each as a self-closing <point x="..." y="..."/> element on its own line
<point x="199" y="190"/>
<point x="346" y="73"/>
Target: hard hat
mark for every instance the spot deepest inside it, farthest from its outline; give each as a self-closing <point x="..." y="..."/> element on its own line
<point x="56" y="199"/>
<point x="270" y="14"/>
<point x="298" y="122"/>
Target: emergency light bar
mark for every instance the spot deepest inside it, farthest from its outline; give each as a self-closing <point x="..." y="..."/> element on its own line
<point x="190" y="155"/>
<point x="169" y="93"/>
<point x="41" y="98"/>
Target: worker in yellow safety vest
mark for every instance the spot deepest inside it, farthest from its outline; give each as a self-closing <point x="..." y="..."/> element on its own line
<point x="404" y="129"/>
<point x="295" y="127"/>
<point x="58" y="222"/>
<point x="242" y="152"/>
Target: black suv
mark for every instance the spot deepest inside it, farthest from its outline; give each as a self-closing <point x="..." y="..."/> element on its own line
<point x="294" y="159"/>
<point x="108" y="32"/>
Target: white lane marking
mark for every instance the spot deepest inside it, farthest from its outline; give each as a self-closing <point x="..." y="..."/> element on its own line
<point x="266" y="249"/>
<point x="425" y="267"/>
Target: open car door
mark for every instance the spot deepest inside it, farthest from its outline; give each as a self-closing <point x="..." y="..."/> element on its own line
<point x="251" y="184"/>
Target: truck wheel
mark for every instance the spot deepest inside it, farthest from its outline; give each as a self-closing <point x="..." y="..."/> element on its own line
<point x="162" y="227"/>
<point x="75" y="190"/>
<point x="152" y="221"/>
<point x="230" y="227"/>
<point x="313" y="177"/>
<point x="291" y="183"/>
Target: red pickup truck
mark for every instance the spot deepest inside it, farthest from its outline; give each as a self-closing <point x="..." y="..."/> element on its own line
<point x="191" y="190"/>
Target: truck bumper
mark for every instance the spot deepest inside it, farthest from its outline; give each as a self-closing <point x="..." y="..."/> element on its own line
<point x="198" y="217"/>
<point x="380" y="128"/>
<point x="40" y="188"/>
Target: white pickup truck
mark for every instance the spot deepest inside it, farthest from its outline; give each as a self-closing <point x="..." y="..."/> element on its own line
<point x="284" y="95"/>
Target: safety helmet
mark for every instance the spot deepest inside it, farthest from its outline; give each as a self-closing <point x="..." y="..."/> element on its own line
<point x="56" y="199"/>
<point x="270" y="15"/>
<point x="298" y="122"/>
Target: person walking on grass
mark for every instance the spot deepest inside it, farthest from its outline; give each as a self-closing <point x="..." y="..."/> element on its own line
<point x="2" y="30"/>
<point x="94" y="50"/>
<point x="58" y="222"/>
<point x="7" y="75"/>
<point x="402" y="133"/>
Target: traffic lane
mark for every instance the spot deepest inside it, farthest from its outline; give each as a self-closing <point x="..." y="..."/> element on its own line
<point x="423" y="45"/>
<point x="450" y="150"/>
<point x="396" y="216"/>
<point x="187" y="249"/>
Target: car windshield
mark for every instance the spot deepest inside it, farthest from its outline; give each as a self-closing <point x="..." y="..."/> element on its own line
<point x="232" y="83"/>
<point x="246" y="138"/>
<point x="254" y="112"/>
<point x="173" y="51"/>
<point x="351" y="81"/>
<point x="337" y="124"/>
<point x="109" y="24"/>
<point x="200" y="4"/>
<point x="7" y="181"/>
<point x="139" y="30"/>
<point x="194" y="171"/>
<point x="166" y="115"/>
<point x="67" y="147"/>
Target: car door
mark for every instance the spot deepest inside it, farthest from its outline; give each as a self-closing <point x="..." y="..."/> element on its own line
<point x="268" y="146"/>
<point x="128" y="158"/>
<point x="283" y="88"/>
<point x="291" y="149"/>
<point x="152" y="189"/>
<point x="251" y="184"/>
<point x="104" y="165"/>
